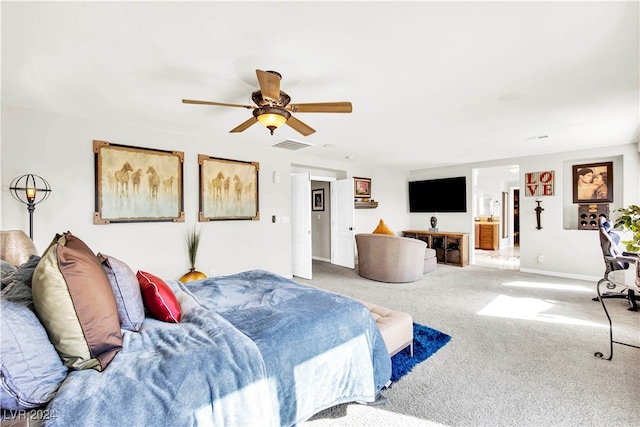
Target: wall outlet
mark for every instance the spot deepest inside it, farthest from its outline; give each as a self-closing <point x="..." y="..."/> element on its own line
<point x="541" y="258"/>
<point x="212" y="273"/>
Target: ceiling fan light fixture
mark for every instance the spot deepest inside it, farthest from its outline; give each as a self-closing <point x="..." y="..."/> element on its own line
<point x="271" y="117"/>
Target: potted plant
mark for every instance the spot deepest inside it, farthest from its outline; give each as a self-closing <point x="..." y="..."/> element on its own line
<point x="629" y="219"/>
<point x="192" y="238"/>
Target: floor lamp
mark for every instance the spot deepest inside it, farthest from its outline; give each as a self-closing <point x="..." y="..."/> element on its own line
<point x="30" y="190"/>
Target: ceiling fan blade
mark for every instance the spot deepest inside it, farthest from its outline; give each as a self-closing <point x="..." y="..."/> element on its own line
<point x="321" y="107"/>
<point x="303" y="128"/>
<point x="269" y="84"/>
<point x="222" y="104"/>
<point x="244" y="125"/>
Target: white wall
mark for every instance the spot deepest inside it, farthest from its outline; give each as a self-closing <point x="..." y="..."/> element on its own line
<point x="566" y="251"/>
<point x="59" y="148"/>
<point x="389" y="189"/>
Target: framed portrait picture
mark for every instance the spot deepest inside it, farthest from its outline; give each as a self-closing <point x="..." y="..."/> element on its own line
<point x="228" y="189"/>
<point x="593" y="183"/>
<point x="317" y="200"/>
<point x="135" y="184"/>
<point x="362" y="187"/>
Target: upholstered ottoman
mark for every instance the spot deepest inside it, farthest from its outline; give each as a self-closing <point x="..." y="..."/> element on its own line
<point x="430" y="260"/>
<point x="396" y="327"/>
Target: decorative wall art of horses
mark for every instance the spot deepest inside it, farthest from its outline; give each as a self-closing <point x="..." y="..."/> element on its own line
<point x="122" y="179"/>
<point x="237" y="186"/>
<point x="167" y="185"/>
<point x="247" y="189"/>
<point x="135" y="179"/>
<point x="227" y="185"/>
<point x="111" y="182"/>
<point x="154" y="181"/>
<point x="217" y="183"/>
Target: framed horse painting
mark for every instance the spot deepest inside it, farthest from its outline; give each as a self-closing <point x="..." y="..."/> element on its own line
<point x="228" y="189"/>
<point x="135" y="184"/>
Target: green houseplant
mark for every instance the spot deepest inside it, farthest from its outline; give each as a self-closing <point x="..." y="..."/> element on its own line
<point x="629" y="219"/>
<point x="192" y="239"/>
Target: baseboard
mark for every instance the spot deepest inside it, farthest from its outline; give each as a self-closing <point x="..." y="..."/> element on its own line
<point x="317" y="258"/>
<point x="563" y="275"/>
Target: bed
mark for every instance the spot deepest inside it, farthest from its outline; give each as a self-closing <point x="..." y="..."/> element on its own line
<point x="252" y="348"/>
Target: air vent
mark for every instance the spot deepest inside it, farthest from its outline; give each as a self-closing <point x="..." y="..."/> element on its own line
<point x="290" y="144"/>
<point x="536" y="138"/>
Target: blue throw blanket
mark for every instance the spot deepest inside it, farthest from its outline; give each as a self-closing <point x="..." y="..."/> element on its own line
<point x="251" y="349"/>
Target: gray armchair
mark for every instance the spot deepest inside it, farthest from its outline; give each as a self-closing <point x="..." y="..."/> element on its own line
<point x="393" y="259"/>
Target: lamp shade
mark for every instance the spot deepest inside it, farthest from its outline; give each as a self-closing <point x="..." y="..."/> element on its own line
<point x="271" y="117"/>
<point x="30" y="189"/>
<point x="16" y="247"/>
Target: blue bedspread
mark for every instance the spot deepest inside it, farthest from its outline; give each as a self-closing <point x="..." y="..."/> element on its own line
<point x="251" y="349"/>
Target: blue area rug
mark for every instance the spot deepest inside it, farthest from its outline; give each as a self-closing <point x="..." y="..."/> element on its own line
<point x="426" y="341"/>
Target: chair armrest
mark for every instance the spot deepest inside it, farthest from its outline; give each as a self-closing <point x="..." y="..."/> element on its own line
<point x="621" y="258"/>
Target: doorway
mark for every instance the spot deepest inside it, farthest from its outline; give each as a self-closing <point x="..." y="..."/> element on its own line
<point x="496" y="217"/>
<point x="322" y="219"/>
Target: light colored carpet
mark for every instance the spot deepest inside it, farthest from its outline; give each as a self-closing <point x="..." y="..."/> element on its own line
<point x="521" y="352"/>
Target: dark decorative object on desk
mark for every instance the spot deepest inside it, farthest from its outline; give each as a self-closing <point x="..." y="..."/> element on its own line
<point x="434" y="223"/>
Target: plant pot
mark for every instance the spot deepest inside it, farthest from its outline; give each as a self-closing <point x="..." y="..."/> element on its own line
<point x="193" y="274"/>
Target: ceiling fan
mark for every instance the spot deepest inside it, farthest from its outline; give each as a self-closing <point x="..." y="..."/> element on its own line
<point x="272" y="107"/>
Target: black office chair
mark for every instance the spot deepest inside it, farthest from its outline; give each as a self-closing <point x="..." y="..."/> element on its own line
<point x="616" y="260"/>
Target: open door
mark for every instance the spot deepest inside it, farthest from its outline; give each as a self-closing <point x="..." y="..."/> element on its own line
<point x="342" y="220"/>
<point x="301" y="225"/>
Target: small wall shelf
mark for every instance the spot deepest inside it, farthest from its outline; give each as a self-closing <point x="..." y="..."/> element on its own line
<point x="365" y="205"/>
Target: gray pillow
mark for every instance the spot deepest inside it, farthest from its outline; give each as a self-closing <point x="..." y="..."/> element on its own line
<point x="23" y="273"/>
<point x="30" y="368"/>
<point x="126" y="289"/>
<point x="16" y="286"/>
<point x="6" y="268"/>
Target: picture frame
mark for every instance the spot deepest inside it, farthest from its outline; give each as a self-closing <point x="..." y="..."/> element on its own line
<point x="593" y="183"/>
<point x="136" y="184"/>
<point x="228" y="189"/>
<point x="317" y="200"/>
<point x="361" y="187"/>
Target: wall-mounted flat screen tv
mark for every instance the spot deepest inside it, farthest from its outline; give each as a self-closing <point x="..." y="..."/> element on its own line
<point x="438" y="195"/>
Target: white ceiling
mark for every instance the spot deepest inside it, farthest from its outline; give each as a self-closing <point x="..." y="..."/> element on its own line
<point x="432" y="83"/>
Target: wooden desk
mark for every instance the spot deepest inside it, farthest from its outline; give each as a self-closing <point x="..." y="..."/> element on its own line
<point x="451" y="247"/>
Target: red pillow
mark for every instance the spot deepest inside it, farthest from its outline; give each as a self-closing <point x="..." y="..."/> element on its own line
<point x="158" y="298"/>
